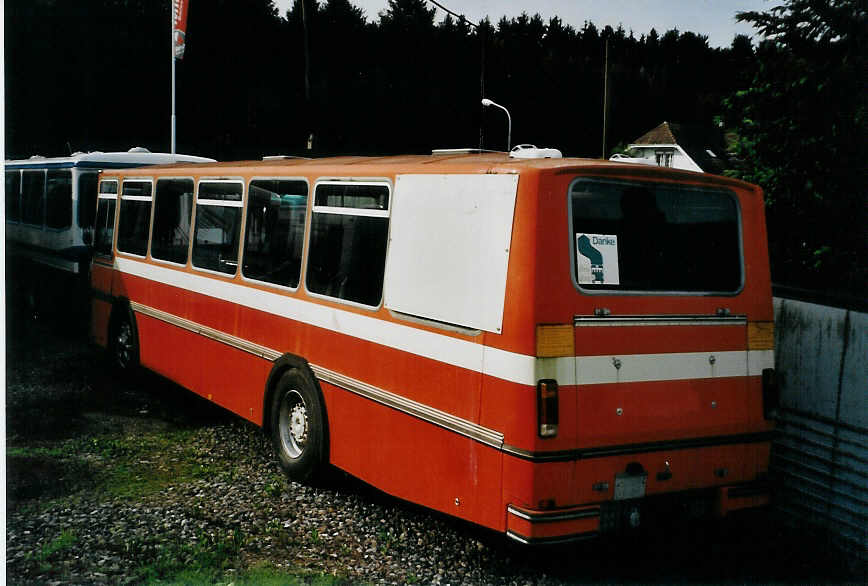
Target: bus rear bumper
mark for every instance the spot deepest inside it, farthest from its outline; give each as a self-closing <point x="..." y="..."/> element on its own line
<point x="542" y="527"/>
<point x="534" y="527"/>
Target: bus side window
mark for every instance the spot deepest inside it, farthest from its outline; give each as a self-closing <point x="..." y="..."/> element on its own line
<point x="274" y="237"/>
<point x="135" y="217"/>
<point x="32" y="197"/>
<point x="218" y="226"/>
<point x="58" y="199"/>
<point x="173" y="213"/>
<point x="349" y="232"/>
<point x="13" y="196"/>
<point x="105" y="217"/>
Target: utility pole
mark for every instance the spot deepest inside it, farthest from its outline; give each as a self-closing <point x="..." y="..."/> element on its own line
<point x="306" y="69"/>
<point x="481" y="32"/>
<point x="605" y="97"/>
<point x="172" y="25"/>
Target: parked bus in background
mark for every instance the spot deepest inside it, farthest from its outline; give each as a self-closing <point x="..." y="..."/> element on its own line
<point x="50" y="205"/>
<point x="552" y="348"/>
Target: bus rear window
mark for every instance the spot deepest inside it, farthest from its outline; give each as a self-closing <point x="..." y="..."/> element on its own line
<point x="654" y="237"/>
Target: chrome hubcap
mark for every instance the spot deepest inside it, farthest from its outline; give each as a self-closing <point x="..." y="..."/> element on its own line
<point x="293" y="424"/>
<point x="124" y="344"/>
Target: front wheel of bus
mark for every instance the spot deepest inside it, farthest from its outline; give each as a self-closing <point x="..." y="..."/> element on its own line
<point x="124" y="345"/>
<point x="298" y="426"/>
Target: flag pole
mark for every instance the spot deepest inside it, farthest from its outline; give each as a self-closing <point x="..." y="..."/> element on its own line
<point x="172" y="45"/>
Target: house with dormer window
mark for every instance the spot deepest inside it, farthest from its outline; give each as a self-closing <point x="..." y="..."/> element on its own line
<point x="681" y="147"/>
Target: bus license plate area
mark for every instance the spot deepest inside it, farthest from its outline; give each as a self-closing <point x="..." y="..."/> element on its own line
<point x="630" y="486"/>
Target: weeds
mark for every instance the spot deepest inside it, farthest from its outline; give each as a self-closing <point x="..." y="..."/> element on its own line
<point x="59" y="544"/>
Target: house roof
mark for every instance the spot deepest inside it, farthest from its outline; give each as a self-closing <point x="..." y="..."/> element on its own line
<point x="705" y="146"/>
<point x="662" y="134"/>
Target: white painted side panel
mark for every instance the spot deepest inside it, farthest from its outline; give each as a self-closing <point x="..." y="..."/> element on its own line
<point x="503" y="364"/>
<point x="449" y="248"/>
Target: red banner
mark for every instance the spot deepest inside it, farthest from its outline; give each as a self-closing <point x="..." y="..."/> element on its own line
<point x="179" y="18"/>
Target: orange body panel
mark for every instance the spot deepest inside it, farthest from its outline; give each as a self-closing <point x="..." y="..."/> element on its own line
<point x="697" y="432"/>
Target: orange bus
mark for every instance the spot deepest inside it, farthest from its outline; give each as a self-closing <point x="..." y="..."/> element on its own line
<point x="553" y="348"/>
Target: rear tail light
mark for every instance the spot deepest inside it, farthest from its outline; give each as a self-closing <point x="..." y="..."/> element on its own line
<point x="771" y="393"/>
<point x="547" y="407"/>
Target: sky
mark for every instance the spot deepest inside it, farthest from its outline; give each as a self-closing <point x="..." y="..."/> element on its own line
<point x="713" y="18"/>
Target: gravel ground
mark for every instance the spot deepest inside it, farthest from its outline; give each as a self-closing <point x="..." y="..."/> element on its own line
<point x="230" y="499"/>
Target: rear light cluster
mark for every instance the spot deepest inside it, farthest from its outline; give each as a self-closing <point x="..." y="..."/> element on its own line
<point x="761" y="336"/>
<point x="547" y="407"/>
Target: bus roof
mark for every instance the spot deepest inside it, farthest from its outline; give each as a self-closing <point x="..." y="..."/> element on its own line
<point x="135" y="157"/>
<point x="473" y="163"/>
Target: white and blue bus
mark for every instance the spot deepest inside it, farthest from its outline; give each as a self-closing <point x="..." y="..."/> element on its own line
<point x="50" y="214"/>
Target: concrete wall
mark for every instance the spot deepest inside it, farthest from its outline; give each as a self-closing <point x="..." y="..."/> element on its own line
<point x="820" y="457"/>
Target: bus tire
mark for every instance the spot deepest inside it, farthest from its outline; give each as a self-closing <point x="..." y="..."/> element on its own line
<point x="298" y="426"/>
<point x="124" y="341"/>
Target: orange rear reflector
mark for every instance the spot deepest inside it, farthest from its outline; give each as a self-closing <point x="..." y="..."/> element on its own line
<point x="761" y="335"/>
<point x="553" y="341"/>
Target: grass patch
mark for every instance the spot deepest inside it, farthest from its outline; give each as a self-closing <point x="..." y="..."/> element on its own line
<point x="59" y="544"/>
<point x="264" y="574"/>
<point x="127" y="465"/>
<point x="214" y="561"/>
<point x="202" y="561"/>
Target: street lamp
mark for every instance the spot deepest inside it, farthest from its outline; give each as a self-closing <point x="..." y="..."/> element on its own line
<point x="486" y="102"/>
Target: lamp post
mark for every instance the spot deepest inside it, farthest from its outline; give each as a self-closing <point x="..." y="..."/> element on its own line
<point x="486" y="102"/>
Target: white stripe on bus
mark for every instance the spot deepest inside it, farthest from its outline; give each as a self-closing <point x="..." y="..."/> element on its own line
<point x="502" y="364"/>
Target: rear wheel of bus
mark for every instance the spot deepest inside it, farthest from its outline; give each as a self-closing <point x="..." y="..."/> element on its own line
<point x="298" y="426"/>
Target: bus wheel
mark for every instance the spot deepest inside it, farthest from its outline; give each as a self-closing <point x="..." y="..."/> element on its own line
<point x="124" y="345"/>
<point x="298" y="426"/>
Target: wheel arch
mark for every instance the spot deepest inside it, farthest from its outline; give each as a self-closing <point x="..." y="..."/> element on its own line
<point x="282" y="365"/>
<point x="121" y="306"/>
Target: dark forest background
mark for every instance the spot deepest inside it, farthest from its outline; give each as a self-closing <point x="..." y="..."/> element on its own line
<point x="95" y="75"/>
<point x="404" y="83"/>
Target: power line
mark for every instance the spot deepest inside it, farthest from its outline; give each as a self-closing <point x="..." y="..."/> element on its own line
<point x="455" y="14"/>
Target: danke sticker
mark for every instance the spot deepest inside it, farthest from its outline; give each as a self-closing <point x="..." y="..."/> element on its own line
<point x="597" y="259"/>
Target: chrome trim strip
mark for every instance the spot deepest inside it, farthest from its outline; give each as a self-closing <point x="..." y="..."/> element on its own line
<point x="553" y="540"/>
<point x="191" y="326"/>
<point x="442" y="419"/>
<point x="554" y="516"/>
<point x="428" y="414"/>
<point x="628" y="449"/>
<point x="659" y="320"/>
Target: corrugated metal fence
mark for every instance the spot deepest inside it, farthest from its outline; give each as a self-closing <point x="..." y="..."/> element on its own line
<point x="820" y="457"/>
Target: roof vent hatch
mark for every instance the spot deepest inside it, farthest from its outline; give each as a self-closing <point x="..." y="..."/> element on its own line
<point x="529" y="151"/>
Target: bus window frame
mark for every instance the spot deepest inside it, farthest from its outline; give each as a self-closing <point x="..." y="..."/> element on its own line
<point x="387" y="213"/>
<point x="78" y="200"/>
<point x="656" y="293"/>
<point x="108" y="196"/>
<point x="192" y="222"/>
<point x="242" y="203"/>
<point x="304" y="244"/>
<point x="121" y="198"/>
